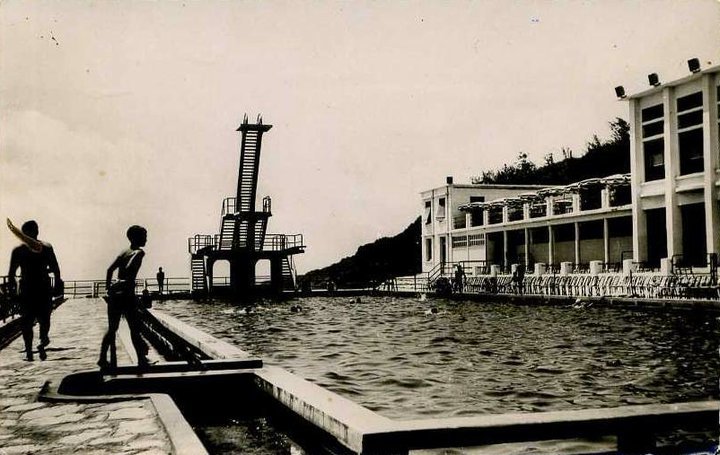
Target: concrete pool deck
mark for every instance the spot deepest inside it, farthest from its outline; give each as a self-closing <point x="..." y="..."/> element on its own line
<point x="146" y="426"/>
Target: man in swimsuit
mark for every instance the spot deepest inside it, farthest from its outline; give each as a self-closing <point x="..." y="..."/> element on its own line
<point x="121" y="299"/>
<point x="35" y="259"/>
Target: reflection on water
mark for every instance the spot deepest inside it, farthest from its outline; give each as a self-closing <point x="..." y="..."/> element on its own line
<point x="395" y="357"/>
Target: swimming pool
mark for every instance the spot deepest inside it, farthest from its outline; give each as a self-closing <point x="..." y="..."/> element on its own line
<point x="396" y="357"/>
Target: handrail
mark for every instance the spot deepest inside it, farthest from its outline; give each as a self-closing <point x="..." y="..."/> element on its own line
<point x="201" y="241"/>
<point x="229" y="206"/>
<point x="267" y="204"/>
<point x="280" y="242"/>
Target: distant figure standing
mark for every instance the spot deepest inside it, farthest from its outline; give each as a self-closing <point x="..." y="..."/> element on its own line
<point x="36" y="259"/>
<point x="121" y="299"/>
<point x="520" y="279"/>
<point x="459" y="278"/>
<point x="160" y="279"/>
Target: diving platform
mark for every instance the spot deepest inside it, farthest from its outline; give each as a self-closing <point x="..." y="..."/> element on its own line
<point x="243" y="239"/>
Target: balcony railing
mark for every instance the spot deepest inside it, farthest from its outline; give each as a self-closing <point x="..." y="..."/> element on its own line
<point x="279" y="242"/>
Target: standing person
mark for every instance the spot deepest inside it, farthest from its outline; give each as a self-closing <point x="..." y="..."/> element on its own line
<point x="160" y="279"/>
<point x="121" y="299"/>
<point x="36" y="259"/>
<point x="459" y="278"/>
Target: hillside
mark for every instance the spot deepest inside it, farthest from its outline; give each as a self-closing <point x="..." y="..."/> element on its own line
<point x="400" y="255"/>
<point x="374" y="262"/>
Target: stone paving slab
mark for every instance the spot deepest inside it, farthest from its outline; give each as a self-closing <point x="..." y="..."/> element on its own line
<point x="31" y="427"/>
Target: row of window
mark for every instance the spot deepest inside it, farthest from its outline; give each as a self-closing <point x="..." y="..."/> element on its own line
<point x="462" y="241"/>
<point x="689" y="133"/>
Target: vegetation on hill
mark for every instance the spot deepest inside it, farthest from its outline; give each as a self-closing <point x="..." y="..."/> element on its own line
<point x="400" y="255"/>
<point x="600" y="159"/>
<point x="374" y="262"/>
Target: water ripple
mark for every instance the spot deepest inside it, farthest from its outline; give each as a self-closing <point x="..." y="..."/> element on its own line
<point x="470" y="358"/>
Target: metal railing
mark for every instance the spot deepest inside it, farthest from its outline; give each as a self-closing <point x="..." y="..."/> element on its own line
<point x="229" y="206"/>
<point x="280" y="242"/>
<point x="200" y="241"/>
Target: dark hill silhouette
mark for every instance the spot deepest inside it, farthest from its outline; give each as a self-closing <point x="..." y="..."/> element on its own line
<point x="374" y="262"/>
<point x="400" y="255"/>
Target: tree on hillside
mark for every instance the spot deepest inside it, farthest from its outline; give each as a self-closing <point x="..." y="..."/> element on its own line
<point x="600" y="158"/>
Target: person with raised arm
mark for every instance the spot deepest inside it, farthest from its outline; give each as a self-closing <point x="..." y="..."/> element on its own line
<point x="36" y="260"/>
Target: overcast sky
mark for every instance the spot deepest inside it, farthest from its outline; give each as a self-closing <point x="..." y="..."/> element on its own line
<point x="120" y="113"/>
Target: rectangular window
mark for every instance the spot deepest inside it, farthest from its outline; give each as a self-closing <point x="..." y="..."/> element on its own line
<point x="459" y="241"/>
<point x="476" y="240"/>
<point x="428" y="250"/>
<point x="653" y="143"/>
<point x="459" y="221"/>
<point x="690" y="144"/>
<point x="428" y="212"/>
<point x="654" y="159"/>
<point x="441" y="208"/>
<point x="688" y="102"/>
<point x="477" y="199"/>
<point x="690" y="133"/>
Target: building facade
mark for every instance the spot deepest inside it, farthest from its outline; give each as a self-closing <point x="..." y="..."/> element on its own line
<point x="674" y="166"/>
<point x="667" y="208"/>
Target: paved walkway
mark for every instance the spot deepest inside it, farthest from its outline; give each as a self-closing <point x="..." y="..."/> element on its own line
<point x="29" y="426"/>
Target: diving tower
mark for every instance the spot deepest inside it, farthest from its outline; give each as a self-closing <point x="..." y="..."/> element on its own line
<point x="243" y="239"/>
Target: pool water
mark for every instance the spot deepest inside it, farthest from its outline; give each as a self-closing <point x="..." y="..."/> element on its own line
<point x="404" y="361"/>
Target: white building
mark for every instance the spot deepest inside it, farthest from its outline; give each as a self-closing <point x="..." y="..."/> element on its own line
<point x="674" y="164"/>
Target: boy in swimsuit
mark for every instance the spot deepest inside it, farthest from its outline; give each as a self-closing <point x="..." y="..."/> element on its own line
<point x="121" y="299"/>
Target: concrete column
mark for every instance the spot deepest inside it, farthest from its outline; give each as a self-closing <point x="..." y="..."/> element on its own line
<point x="494" y="270"/>
<point x="637" y="176"/>
<point x="468" y="219"/>
<point x="540" y="269"/>
<point x="576" y="202"/>
<point x="551" y="245"/>
<point x="549" y="202"/>
<point x="595" y="267"/>
<point x="710" y="156"/>
<point x="606" y="240"/>
<point x="526" y="211"/>
<point x="505" y="211"/>
<point x="605" y="198"/>
<point x="505" y="246"/>
<point x="577" y="242"/>
<point x="673" y="218"/>
<point x="527" y="248"/>
<point x="486" y="217"/>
